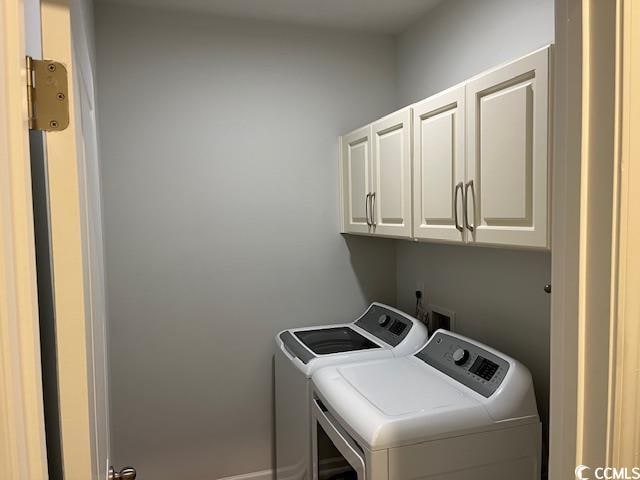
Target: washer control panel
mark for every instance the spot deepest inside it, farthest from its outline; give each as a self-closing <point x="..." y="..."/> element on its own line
<point x="465" y="362"/>
<point x="385" y="324"/>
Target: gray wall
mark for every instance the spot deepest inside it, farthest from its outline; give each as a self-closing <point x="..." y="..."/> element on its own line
<point x="460" y="38"/>
<point x="497" y="294"/>
<point x="219" y="153"/>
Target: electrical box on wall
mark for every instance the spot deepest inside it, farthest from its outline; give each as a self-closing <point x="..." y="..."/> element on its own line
<point x="440" y="317"/>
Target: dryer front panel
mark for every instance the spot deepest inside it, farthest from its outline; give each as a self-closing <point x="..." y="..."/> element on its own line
<point x="336" y="456"/>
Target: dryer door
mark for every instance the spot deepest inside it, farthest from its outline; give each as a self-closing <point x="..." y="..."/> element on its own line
<point x="336" y="456"/>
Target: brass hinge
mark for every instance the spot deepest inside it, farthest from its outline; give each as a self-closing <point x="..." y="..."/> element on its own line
<point x="47" y="95"/>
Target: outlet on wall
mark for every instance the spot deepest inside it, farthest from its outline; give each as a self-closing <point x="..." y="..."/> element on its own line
<point x="420" y="312"/>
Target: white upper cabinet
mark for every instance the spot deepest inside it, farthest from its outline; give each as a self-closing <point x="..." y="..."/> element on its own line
<point x="467" y="165"/>
<point x="439" y="166"/>
<point x="507" y="154"/>
<point x="391" y="174"/>
<point x="356" y="180"/>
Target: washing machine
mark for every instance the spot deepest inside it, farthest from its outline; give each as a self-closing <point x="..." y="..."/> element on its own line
<point x="380" y="332"/>
<point x="456" y="410"/>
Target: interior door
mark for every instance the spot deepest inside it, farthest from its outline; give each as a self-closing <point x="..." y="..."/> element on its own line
<point x="507" y="153"/>
<point x="439" y="166"/>
<point x="67" y="203"/>
<point x="356" y="180"/>
<point x="391" y="173"/>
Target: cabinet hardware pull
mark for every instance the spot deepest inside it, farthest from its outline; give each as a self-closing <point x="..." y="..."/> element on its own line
<point x="366" y="208"/>
<point x="459" y="187"/>
<point x="465" y="197"/>
<point x="373" y="209"/>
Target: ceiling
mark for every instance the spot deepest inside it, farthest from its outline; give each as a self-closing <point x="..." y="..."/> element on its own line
<point x="381" y="16"/>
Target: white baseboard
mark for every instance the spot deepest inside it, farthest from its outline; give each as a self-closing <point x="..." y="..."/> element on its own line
<point x="261" y="475"/>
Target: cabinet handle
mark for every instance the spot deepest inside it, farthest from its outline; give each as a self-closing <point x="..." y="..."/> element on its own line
<point x="366" y="208"/>
<point x="373" y="209"/>
<point x="459" y="187"/>
<point x="465" y="197"/>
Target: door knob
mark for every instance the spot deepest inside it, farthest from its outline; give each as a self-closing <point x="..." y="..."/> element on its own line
<point x="127" y="473"/>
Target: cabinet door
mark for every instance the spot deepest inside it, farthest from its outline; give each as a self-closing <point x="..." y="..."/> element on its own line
<point x="391" y="168"/>
<point x="438" y="166"/>
<point x="356" y="180"/>
<point x="507" y="153"/>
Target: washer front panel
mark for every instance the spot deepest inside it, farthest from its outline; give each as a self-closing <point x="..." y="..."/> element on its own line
<point x="482" y="371"/>
<point x="385" y="324"/>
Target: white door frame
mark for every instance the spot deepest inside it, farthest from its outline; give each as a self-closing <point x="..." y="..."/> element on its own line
<point x="623" y="442"/>
<point x="75" y="230"/>
<point x="22" y="431"/>
<point x="594" y="330"/>
<point x="569" y="408"/>
<point x="565" y="236"/>
<point x="22" y="438"/>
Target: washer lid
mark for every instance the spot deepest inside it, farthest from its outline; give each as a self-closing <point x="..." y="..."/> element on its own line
<point x="325" y="341"/>
<point x="397" y="401"/>
<point x="403" y="388"/>
<point x="381" y="331"/>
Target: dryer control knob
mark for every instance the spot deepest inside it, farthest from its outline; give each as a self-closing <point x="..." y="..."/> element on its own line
<point x="460" y="356"/>
<point x="383" y="320"/>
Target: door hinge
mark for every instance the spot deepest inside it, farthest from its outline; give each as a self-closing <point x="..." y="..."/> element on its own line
<point x="47" y="95"/>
